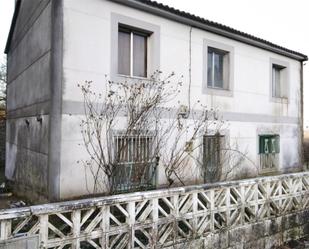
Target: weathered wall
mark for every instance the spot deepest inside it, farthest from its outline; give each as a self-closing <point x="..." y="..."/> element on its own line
<point x="250" y="111"/>
<point x="28" y="94"/>
<point x="266" y="234"/>
<point x="2" y="145"/>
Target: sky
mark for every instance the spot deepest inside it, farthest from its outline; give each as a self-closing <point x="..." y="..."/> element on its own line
<point x="284" y="22"/>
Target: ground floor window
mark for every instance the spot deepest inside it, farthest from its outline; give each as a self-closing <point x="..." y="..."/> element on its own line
<point x="212" y="157"/>
<point x="269" y="149"/>
<point x="135" y="167"/>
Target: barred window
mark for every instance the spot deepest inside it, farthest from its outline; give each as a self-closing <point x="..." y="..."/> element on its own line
<point x="212" y="153"/>
<point x="135" y="167"/>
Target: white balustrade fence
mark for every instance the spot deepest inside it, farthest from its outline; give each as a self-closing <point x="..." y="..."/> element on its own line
<point x="155" y="218"/>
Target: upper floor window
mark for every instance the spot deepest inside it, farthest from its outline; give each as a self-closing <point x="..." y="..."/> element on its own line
<point x="132" y="52"/>
<point x="278" y="81"/>
<point x="135" y="48"/>
<point x="217" y="68"/>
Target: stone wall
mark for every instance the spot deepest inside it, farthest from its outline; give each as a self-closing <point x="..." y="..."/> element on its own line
<point x="264" y="234"/>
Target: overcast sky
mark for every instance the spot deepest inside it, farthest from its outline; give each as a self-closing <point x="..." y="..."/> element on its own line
<point x="284" y="22"/>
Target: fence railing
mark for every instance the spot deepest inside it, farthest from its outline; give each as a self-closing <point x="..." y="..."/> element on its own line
<point x="156" y="218"/>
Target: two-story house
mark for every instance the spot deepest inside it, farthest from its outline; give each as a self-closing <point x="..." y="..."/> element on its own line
<point x="54" y="45"/>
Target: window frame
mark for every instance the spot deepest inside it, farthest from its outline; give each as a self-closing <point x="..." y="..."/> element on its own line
<point x="229" y="50"/>
<point x="133" y="31"/>
<point x="123" y="187"/>
<point x="284" y="80"/>
<point x="268" y="156"/>
<point x="153" y="45"/>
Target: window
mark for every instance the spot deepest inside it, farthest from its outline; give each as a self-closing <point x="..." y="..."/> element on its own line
<point x="132" y="52"/>
<point x="135" y="164"/>
<point x="217" y="68"/>
<point x="212" y="153"/>
<point x="269" y="149"/>
<point x="278" y="81"/>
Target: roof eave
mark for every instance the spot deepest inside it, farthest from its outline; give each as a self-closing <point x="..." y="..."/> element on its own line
<point x="212" y="29"/>
<point x="12" y="28"/>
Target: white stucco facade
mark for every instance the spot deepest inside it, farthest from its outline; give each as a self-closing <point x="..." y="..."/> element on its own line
<point x="250" y="110"/>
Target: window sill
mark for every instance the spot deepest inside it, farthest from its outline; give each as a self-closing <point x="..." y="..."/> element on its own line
<point x="279" y="100"/>
<point x="268" y="172"/>
<point x="218" y="91"/>
<point x="131" y="79"/>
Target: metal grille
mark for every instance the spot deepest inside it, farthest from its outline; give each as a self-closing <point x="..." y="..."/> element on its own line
<point x="212" y="146"/>
<point x="135" y="164"/>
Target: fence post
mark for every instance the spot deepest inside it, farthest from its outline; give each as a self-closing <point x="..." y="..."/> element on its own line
<point x="43" y="230"/>
<point x="131" y="222"/>
<point x="76" y="218"/>
<point x="155" y="217"/>
<point x="6" y="229"/>
<point x="105" y="226"/>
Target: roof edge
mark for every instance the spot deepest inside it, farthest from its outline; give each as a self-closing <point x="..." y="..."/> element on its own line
<point x="12" y="28"/>
<point x="198" y="22"/>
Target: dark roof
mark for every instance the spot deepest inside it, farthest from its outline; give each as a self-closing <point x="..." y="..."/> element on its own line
<point x="214" y="27"/>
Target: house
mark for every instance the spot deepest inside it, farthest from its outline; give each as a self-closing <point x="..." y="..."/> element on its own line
<point x="53" y="45"/>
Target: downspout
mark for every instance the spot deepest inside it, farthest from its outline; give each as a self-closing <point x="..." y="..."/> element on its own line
<point x="190" y="71"/>
<point x="302" y="115"/>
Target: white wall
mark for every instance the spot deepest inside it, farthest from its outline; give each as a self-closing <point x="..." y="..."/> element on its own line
<point x="87" y="56"/>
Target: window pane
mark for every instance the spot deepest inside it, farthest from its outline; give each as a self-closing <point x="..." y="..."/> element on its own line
<point x="124" y="53"/>
<point x="218" y="70"/>
<point x="276" y="82"/>
<point x="139" y="55"/>
<point x="209" y="69"/>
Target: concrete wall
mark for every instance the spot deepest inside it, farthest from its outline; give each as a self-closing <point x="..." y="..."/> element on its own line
<point x="28" y="94"/>
<point x="87" y="55"/>
<point x="2" y="145"/>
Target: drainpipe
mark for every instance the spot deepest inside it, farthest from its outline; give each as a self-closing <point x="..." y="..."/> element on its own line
<point x="302" y="114"/>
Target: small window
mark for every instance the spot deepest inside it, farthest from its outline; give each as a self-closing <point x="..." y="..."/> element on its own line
<point x="278" y="81"/>
<point x="269" y="149"/>
<point x="217" y="68"/>
<point x="132" y="52"/>
<point x="212" y="153"/>
<point x="135" y="164"/>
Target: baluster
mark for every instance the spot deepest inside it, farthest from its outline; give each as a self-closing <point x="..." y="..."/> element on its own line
<point x="131" y="223"/>
<point x="6" y="229"/>
<point x="228" y="206"/>
<point x="212" y="210"/>
<point x="243" y="202"/>
<point x="105" y="210"/>
<point x="76" y="218"/>
<point x="43" y="230"/>
<point x="195" y="211"/>
<point x="155" y="217"/>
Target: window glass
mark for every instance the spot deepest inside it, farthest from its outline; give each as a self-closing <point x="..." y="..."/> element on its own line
<point x="124" y="52"/>
<point x="139" y="55"/>
<point x="217" y="68"/>
<point x="278" y="82"/>
<point x="269" y="149"/>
